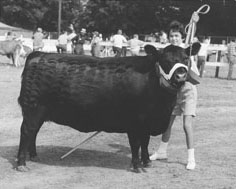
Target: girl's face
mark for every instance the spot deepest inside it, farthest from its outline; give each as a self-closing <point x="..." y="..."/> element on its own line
<point x="175" y="38"/>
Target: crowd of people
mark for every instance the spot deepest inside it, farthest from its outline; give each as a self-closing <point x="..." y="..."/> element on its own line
<point x="70" y="41"/>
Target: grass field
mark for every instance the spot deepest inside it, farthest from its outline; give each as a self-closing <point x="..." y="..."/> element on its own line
<point x="103" y="162"/>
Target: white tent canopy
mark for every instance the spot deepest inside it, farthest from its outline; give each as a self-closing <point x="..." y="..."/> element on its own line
<point x="4" y="28"/>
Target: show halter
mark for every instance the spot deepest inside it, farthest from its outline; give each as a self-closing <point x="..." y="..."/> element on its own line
<point x="176" y="66"/>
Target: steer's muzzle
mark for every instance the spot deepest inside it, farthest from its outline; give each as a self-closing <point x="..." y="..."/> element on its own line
<point x="179" y="77"/>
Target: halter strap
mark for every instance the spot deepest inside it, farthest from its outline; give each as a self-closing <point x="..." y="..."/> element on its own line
<point x="171" y="72"/>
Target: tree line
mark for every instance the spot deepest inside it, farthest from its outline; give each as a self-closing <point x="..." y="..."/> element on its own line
<point x="106" y="16"/>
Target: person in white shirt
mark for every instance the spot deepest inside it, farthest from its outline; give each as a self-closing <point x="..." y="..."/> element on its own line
<point x="62" y="42"/>
<point x="118" y="40"/>
<point x="71" y="35"/>
<point x="95" y="44"/>
<point x="202" y="56"/>
<point x="135" y="45"/>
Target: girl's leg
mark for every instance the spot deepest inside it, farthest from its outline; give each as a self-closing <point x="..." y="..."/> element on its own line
<point x="187" y="124"/>
<point x="161" y="153"/>
<point x="166" y="135"/>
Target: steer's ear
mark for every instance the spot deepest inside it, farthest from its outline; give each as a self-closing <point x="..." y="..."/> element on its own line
<point x="150" y="50"/>
<point x="194" y="49"/>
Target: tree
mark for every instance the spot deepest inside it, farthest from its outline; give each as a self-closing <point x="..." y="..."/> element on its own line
<point x="109" y="15"/>
<point x="30" y="14"/>
<point x="106" y="16"/>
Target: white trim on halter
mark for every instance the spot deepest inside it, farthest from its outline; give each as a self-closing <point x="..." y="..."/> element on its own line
<point x="176" y="66"/>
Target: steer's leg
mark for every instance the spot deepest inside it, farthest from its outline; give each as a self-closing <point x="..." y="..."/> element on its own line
<point x="12" y="59"/>
<point x="145" y="138"/>
<point x="135" y="145"/>
<point x="32" y="147"/>
<point x="23" y="147"/>
<point x="29" y="128"/>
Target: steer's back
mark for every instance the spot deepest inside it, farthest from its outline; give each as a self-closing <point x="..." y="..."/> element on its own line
<point x="109" y="94"/>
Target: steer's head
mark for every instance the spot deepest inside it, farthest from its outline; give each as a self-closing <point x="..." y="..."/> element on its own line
<point x="174" y="61"/>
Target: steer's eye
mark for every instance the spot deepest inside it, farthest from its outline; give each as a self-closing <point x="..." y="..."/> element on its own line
<point x="186" y="60"/>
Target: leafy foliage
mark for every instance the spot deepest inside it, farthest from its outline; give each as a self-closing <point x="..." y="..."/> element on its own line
<point x="106" y="16"/>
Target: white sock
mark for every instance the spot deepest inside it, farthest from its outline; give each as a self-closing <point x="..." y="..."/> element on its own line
<point x="163" y="147"/>
<point x="191" y="154"/>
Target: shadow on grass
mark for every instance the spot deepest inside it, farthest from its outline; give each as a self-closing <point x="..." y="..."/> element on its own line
<point x="6" y="64"/>
<point x="50" y="155"/>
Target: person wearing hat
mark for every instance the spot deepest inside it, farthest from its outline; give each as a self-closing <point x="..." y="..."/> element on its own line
<point x="78" y="42"/>
<point x="38" y="37"/>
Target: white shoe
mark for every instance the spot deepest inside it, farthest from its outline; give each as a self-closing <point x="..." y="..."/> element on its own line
<point x="191" y="165"/>
<point x="158" y="156"/>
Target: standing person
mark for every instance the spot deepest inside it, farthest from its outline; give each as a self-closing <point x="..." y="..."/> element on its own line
<point x="185" y="104"/>
<point x="62" y="42"/>
<point x="38" y="40"/>
<point x="231" y="49"/>
<point x="10" y="36"/>
<point x="95" y="46"/>
<point x="202" y="56"/>
<point x="118" y="40"/>
<point x="78" y="42"/>
<point x="71" y="35"/>
<point x="124" y="46"/>
<point x="135" y="45"/>
<point x="163" y="37"/>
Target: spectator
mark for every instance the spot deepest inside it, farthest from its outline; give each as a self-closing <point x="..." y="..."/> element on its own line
<point x="10" y="36"/>
<point x="71" y="35"/>
<point x="157" y="36"/>
<point x="185" y="104"/>
<point x="208" y="40"/>
<point x="223" y="42"/>
<point x="135" y="45"/>
<point x="202" y="56"/>
<point x="62" y="42"/>
<point x="78" y="42"/>
<point x="124" y="46"/>
<point x="38" y="40"/>
<point x="118" y="40"/>
<point x="95" y="44"/>
<point x="231" y="50"/>
<point x="163" y="37"/>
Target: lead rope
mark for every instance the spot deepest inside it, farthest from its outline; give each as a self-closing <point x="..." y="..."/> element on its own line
<point x="77" y="146"/>
<point x="191" y="28"/>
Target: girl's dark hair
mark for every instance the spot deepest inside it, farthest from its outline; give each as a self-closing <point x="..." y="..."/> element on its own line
<point x="176" y="26"/>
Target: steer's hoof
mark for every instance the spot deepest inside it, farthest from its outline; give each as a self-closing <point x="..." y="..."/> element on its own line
<point x="147" y="164"/>
<point x="135" y="170"/>
<point x="34" y="159"/>
<point x="22" y="168"/>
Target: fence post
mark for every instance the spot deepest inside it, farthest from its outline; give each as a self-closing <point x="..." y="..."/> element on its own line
<point x="218" y="60"/>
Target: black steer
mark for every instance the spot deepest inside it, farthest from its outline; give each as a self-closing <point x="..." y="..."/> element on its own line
<point x="120" y="95"/>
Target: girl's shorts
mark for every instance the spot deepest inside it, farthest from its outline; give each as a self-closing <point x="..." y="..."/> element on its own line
<point x="186" y="103"/>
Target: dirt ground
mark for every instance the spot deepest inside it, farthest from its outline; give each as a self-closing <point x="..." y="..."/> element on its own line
<point x="103" y="162"/>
